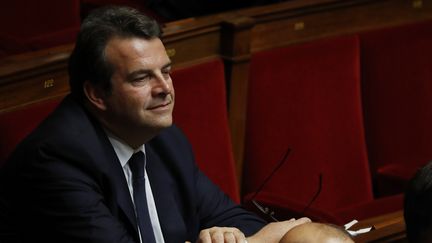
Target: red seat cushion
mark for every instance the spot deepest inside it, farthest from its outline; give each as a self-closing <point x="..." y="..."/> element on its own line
<point x="286" y="208"/>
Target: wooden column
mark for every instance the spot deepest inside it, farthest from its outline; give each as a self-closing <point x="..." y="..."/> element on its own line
<point x="235" y="49"/>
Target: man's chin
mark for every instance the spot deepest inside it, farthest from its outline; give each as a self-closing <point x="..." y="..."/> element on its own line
<point x="163" y="124"/>
<point x="155" y="125"/>
<point x="148" y="132"/>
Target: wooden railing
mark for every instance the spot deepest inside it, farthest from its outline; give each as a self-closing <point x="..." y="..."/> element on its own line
<point x="385" y="228"/>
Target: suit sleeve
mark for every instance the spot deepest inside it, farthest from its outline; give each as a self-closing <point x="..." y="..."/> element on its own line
<point x="203" y="204"/>
<point x="217" y="209"/>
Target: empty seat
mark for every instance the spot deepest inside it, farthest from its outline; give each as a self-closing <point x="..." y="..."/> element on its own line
<point x="307" y="98"/>
<point x="397" y="99"/>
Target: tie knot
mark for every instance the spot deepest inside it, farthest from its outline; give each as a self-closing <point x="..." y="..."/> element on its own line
<point x="137" y="164"/>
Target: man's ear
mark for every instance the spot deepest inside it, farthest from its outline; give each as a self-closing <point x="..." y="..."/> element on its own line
<point x="95" y="95"/>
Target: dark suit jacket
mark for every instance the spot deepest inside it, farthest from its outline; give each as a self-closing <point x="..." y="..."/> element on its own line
<point x="64" y="183"/>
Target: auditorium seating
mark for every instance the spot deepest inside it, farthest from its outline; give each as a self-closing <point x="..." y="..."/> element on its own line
<point x="397" y="98"/>
<point x="307" y="98"/>
<point x="339" y="105"/>
<point x="201" y="111"/>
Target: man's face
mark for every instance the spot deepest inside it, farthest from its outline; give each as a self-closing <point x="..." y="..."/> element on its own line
<point x="142" y="97"/>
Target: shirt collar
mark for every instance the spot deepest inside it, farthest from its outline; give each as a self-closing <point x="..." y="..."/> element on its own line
<point x="123" y="151"/>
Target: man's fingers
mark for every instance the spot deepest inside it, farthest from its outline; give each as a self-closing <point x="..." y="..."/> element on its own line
<point x="302" y="221"/>
<point x="204" y="236"/>
<point x="294" y="222"/>
<point x="221" y="235"/>
<point x="229" y="237"/>
<point x="217" y="235"/>
<point x="239" y="236"/>
<point x="305" y="219"/>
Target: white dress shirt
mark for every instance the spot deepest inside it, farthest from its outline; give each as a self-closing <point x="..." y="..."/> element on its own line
<point x="124" y="153"/>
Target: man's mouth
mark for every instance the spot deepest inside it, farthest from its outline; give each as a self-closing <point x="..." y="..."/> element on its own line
<point x="160" y="105"/>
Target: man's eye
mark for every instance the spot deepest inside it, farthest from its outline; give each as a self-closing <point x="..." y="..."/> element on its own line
<point x="166" y="73"/>
<point x="141" y="78"/>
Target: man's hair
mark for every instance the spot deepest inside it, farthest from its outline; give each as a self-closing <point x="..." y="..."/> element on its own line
<point x="418" y="206"/>
<point x="88" y="61"/>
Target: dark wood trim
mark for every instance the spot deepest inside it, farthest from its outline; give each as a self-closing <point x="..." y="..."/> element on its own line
<point x="235" y="49"/>
<point x="386" y="228"/>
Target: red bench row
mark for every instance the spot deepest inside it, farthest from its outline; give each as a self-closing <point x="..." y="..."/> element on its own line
<point x="346" y="106"/>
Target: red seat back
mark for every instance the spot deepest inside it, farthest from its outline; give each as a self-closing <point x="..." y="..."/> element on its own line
<point x="15" y="125"/>
<point x="397" y="97"/>
<point x="38" y="24"/>
<point x="201" y="112"/>
<point x="307" y="98"/>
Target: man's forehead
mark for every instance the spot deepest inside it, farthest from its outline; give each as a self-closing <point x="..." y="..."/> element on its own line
<point x="124" y="49"/>
<point x="134" y="43"/>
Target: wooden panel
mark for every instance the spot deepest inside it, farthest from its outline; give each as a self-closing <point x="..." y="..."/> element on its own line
<point x="34" y="89"/>
<point x="386" y="228"/>
<point x="335" y="21"/>
<point x="235" y="48"/>
<point x="33" y="77"/>
<point x="190" y="49"/>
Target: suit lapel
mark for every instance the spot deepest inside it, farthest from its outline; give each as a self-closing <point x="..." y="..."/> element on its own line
<point x="118" y="180"/>
<point x="123" y="196"/>
<point x="163" y="187"/>
<point x="95" y="143"/>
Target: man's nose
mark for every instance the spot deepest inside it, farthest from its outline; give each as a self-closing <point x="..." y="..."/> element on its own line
<point x="163" y="84"/>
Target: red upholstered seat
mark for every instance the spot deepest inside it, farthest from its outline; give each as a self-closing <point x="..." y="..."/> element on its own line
<point x="17" y="124"/>
<point x="37" y="24"/>
<point x="397" y="98"/>
<point x="201" y="112"/>
<point x="307" y="98"/>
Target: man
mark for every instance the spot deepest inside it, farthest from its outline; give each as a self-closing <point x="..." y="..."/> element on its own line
<point x="108" y="165"/>
<point x="417" y="206"/>
<point x="316" y="233"/>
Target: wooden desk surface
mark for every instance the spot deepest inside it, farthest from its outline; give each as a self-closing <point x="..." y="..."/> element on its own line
<point x="386" y="228"/>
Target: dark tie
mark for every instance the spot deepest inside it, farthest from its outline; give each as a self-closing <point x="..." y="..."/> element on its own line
<point x="137" y="165"/>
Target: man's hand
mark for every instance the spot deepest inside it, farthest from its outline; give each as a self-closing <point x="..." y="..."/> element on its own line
<point x="221" y="235"/>
<point x="273" y="232"/>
